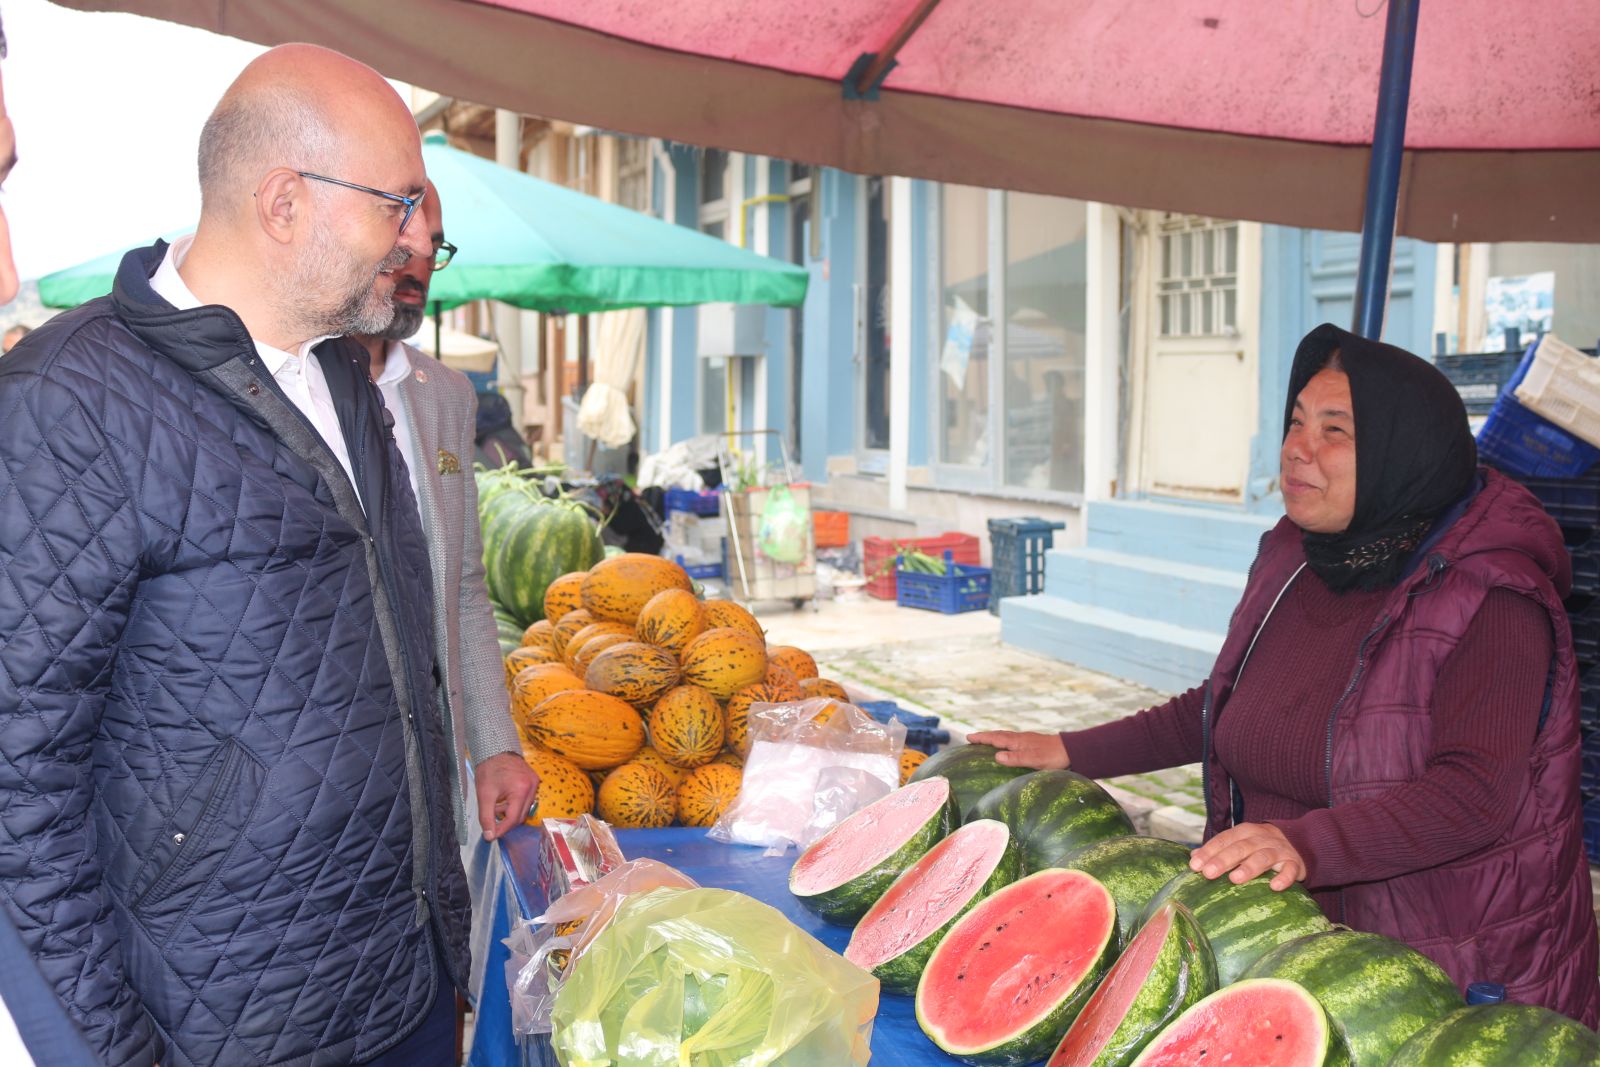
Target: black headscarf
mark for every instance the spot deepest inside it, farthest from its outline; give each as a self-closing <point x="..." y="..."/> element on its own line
<point x="1415" y="456"/>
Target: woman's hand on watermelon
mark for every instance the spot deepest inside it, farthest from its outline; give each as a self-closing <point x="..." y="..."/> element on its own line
<point x="1045" y="752"/>
<point x="1248" y="850"/>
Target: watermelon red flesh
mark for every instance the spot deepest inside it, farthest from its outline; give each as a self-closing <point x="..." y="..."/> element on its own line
<point x="1163" y="971"/>
<point x="1013" y="972"/>
<point x="847" y="869"/>
<point x="896" y="936"/>
<point x="1262" y="1022"/>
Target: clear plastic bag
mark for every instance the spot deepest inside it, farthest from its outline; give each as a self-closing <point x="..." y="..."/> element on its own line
<point x="712" y="978"/>
<point x="545" y="951"/>
<point x="784" y="524"/>
<point x="811" y="764"/>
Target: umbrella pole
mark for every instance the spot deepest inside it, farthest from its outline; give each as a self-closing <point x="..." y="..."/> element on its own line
<point x="583" y="356"/>
<point x="438" y="329"/>
<point x="1383" y="168"/>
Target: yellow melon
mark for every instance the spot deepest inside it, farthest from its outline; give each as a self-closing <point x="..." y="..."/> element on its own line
<point x="725" y="613"/>
<point x="823" y="687"/>
<point x="736" y="720"/>
<point x="671" y="619"/>
<point x="563" y="595"/>
<point x="635" y="796"/>
<point x="797" y="660"/>
<point x="538" y="633"/>
<point x="593" y="730"/>
<point x="724" y="660"/>
<point x="634" y="671"/>
<point x="910" y="760"/>
<point x="527" y="656"/>
<point x="707" y="792"/>
<point x="618" y="588"/>
<point x="686" y="726"/>
<point x="565" y="792"/>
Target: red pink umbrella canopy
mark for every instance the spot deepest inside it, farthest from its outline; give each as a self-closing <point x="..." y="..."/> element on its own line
<point x="1255" y="109"/>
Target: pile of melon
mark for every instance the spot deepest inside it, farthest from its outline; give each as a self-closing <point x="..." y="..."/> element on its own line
<point x="632" y="695"/>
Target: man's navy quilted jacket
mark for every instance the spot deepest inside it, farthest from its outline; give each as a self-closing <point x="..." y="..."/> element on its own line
<point x="216" y="692"/>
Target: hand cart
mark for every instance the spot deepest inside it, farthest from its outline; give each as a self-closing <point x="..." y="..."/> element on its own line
<point x="751" y="575"/>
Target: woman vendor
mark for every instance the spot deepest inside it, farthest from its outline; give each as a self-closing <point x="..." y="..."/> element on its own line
<point x="1393" y="717"/>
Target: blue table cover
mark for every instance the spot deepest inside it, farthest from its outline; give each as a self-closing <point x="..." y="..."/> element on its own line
<point x="511" y="881"/>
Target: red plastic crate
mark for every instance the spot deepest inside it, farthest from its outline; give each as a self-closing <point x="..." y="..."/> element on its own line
<point x="877" y="557"/>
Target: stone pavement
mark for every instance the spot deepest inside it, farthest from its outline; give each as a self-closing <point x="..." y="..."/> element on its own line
<point x="955" y="667"/>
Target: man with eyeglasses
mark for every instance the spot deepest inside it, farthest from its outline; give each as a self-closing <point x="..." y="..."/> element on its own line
<point x="228" y="832"/>
<point x="434" y="409"/>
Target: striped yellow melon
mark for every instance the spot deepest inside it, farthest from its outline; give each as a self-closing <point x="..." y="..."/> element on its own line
<point x="707" y="792"/>
<point x="829" y="710"/>
<point x="724" y="660"/>
<point x="736" y="720"/>
<point x="535" y="683"/>
<point x="618" y="588"/>
<point x="635" y="796"/>
<point x="797" y="660"/>
<point x="634" y="671"/>
<point x="565" y="630"/>
<point x="538" y="634"/>
<point x="729" y="758"/>
<point x="910" y="760"/>
<point x="593" y="730"/>
<point x="823" y="687"/>
<point x="651" y="758"/>
<point x="725" y="613"/>
<point x="671" y="619"/>
<point x="563" y="595"/>
<point x="527" y="656"/>
<point x="686" y="726"/>
<point x="595" y="629"/>
<point x="593" y="647"/>
<point x="565" y="792"/>
<point x="778" y="674"/>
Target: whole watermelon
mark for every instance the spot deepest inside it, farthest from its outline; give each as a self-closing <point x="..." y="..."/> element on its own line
<point x="1242" y="922"/>
<point x="1501" y="1035"/>
<point x="972" y="772"/>
<point x="1377" y="992"/>
<point x="1134" y="869"/>
<point x="529" y="542"/>
<point x="1053" y="813"/>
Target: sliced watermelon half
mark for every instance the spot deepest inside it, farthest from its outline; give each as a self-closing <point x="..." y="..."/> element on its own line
<point x="1262" y="1022"/>
<point x="1243" y="922"/>
<point x="896" y="936"/>
<point x="1012" y="973"/>
<point x="847" y="869"/>
<point x="1164" y="971"/>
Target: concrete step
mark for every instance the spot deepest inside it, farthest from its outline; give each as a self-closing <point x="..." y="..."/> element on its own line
<point x="1193" y="597"/>
<point x="1201" y="536"/>
<point x="1157" y="654"/>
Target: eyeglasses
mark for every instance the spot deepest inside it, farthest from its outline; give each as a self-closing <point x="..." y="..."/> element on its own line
<point x="443" y="255"/>
<point x="410" y="202"/>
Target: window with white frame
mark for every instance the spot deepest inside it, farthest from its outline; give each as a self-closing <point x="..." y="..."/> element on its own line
<point x="1008" y="351"/>
<point x="1197" y="289"/>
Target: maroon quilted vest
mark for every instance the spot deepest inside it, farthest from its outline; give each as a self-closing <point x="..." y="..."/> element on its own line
<point x="1519" y="912"/>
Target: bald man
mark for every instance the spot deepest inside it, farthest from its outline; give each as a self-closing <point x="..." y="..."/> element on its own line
<point x="227" y="832"/>
<point x="435" y="413"/>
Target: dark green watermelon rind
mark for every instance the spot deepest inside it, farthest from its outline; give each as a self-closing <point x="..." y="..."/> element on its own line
<point x="1333" y="1052"/>
<point x="1377" y="991"/>
<point x="1134" y="869"/>
<point x="1501" y="1035"/>
<point x="1053" y="813"/>
<point x="844" y="905"/>
<point x="1182" y="976"/>
<point x="1243" y="922"/>
<point x="1037" y="1041"/>
<point x="901" y="973"/>
<point x="972" y="772"/>
<point x="533" y="546"/>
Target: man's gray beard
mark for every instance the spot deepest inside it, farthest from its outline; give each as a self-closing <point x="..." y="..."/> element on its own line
<point x="329" y="268"/>
<point x="407" y="320"/>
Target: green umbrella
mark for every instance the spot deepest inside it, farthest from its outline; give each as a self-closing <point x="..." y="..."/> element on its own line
<point x="545" y="248"/>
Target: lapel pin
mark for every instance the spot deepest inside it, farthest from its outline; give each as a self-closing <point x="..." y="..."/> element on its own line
<point x="422" y="376"/>
<point x="448" y="463"/>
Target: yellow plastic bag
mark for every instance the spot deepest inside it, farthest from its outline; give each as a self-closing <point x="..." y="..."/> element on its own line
<point x="711" y="978"/>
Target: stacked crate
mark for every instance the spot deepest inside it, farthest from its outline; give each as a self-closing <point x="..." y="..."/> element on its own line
<point x="694" y="531"/>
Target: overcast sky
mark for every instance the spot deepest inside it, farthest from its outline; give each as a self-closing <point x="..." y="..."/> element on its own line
<point x="108" y="110"/>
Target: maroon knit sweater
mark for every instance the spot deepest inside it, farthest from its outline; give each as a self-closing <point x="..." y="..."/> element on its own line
<point x="1272" y="736"/>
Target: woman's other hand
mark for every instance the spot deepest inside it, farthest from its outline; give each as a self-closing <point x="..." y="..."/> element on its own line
<point x="1248" y="850"/>
<point x="1045" y="752"/>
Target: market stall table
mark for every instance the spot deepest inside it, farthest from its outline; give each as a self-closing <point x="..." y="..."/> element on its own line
<point x="510" y="878"/>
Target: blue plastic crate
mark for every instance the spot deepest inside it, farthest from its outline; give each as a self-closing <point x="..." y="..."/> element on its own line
<point x="708" y="502"/>
<point x="1583" y="545"/>
<point x="1016" y="551"/>
<point x="1573" y="502"/>
<point x="1591" y="829"/>
<point x="960" y="588"/>
<point x="1519" y="441"/>
<point x="1479" y="376"/>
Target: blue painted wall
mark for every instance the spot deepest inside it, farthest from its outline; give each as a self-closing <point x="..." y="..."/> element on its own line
<point x="1308" y="278"/>
<point x="685" y="368"/>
